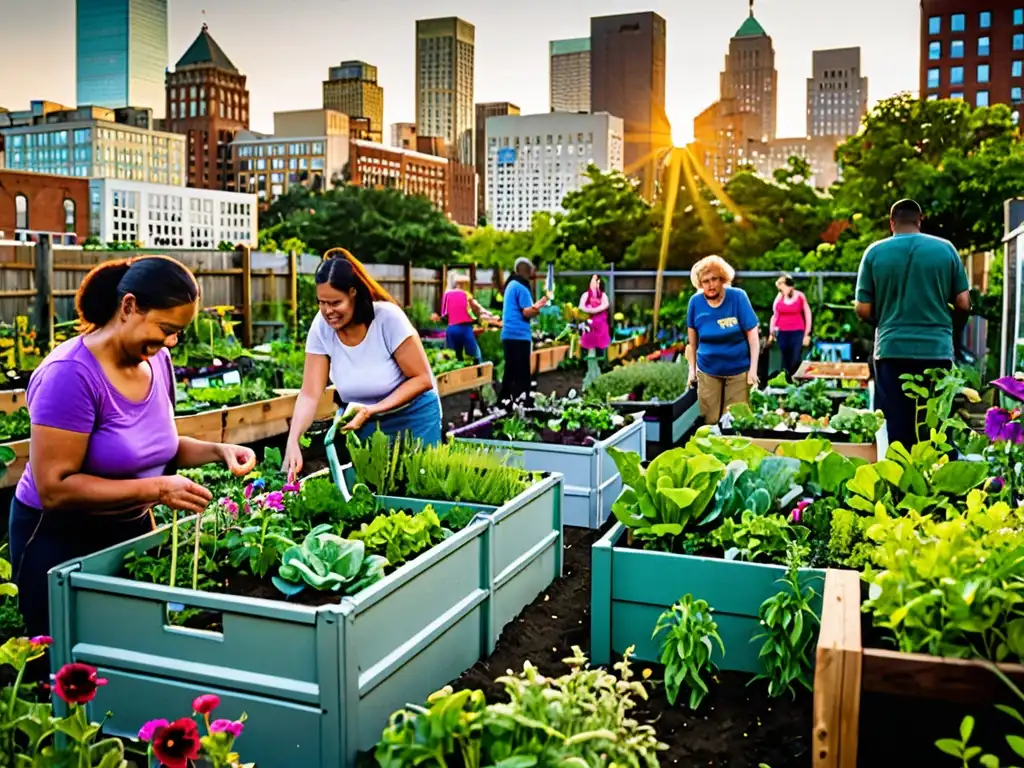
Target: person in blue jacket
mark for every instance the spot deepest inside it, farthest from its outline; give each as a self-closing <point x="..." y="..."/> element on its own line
<point x="724" y="340"/>
<point x="518" y="309"/>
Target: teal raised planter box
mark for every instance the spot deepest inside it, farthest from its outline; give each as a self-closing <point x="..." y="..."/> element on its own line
<point x="592" y="481"/>
<point x="631" y="588"/>
<point x="318" y="684"/>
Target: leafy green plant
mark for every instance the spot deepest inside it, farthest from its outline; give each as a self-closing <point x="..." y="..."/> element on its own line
<point x="790" y="632"/>
<point x="686" y="649"/>
<point x="962" y="749"/>
<point x="860" y="425"/>
<point x="325" y="561"/>
<point x="757" y="538"/>
<point x="642" y="381"/>
<point x="399" y="536"/>
<point x="772" y="486"/>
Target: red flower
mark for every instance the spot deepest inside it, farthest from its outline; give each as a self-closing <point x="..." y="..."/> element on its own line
<point x="77" y="683"/>
<point x="205" y="704"/>
<point x="175" y="744"/>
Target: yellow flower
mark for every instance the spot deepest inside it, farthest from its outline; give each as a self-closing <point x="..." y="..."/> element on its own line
<point x="646" y="673"/>
<point x="971" y="395"/>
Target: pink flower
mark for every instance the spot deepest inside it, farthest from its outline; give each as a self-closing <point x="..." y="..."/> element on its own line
<point x="234" y="727"/>
<point x="41" y="640"/>
<point x="248" y="491"/>
<point x="205" y="704"/>
<point x="274" y="500"/>
<point x="798" y="510"/>
<point x="146" y="731"/>
<point x="230" y="507"/>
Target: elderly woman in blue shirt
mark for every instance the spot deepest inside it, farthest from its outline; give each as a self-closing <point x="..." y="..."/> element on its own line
<point x="724" y="341"/>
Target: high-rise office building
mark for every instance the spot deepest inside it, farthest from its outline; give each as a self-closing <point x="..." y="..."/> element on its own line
<point x="837" y="94"/>
<point x="570" y="75"/>
<point x="208" y="102"/>
<point x="121" y="53"/>
<point x="627" y="79"/>
<point x="483" y="112"/>
<point x="352" y="88"/>
<point x="750" y="78"/>
<point x="444" y="83"/>
<point x="973" y="51"/>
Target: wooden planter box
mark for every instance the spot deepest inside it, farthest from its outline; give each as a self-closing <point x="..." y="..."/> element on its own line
<point x="462" y="379"/>
<point x="666" y="423"/>
<point x="870" y="452"/>
<point x="318" y="684"/>
<point x="547" y="359"/>
<point x="592" y="481"/>
<point x="631" y="588"/>
<point x="11" y="400"/>
<point x="845" y="669"/>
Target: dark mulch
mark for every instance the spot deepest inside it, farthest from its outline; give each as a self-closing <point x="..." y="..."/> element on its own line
<point x="736" y="726"/>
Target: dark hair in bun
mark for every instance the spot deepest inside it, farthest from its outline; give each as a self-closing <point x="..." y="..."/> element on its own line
<point x="156" y="282"/>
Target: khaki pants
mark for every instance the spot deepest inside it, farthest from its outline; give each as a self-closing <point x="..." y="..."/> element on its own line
<point x="716" y="393"/>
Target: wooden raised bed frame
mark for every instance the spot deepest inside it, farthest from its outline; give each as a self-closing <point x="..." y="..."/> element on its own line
<point x="548" y="358"/>
<point x="845" y="669"/>
<point x="463" y="379"/>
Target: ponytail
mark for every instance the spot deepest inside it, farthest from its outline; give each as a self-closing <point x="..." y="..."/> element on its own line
<point x="344" y="272"/>
<point x="156" y="282"/>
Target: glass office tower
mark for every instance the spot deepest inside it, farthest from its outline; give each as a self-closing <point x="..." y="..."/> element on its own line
<point x="121" y="53"/>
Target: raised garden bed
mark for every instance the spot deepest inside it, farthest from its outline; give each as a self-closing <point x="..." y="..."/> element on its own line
<point x="771" y="439"/>
<point x="592" y="481"/>
<point x="463" y="379"/>
<point x="548" y="358"/>
<point x="631" y="588"/>
<point x="665" y="423"/>
<point x="317" y="683"/>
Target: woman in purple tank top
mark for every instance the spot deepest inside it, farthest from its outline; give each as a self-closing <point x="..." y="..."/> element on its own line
<point x="104" y="446"/>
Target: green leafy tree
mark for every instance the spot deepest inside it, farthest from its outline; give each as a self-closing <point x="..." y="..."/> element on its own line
<point x="606" y="213"/>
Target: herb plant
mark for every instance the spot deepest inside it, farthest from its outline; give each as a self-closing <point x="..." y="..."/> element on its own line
<point x="963" y="750"/>
<point x="687" y="647"/>
<point x="643" y="381"/>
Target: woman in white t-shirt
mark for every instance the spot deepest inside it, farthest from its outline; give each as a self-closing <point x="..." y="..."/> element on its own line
<point x="362" y="340"/>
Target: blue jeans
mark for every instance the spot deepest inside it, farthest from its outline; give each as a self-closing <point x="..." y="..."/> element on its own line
<point x="461" y="338"/>
<point x="421" y="419"/>
<point x="791" y="345"/>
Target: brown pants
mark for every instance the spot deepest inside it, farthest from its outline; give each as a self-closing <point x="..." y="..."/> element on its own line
<point x="716" y="393"/>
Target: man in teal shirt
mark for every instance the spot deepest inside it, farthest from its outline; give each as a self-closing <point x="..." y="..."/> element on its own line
<point x="518" y="308"/>
<point x="905" y="287"/>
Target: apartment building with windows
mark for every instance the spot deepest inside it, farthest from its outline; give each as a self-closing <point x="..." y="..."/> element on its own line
<point x="569" y="73"/>
<point x="534" y="161"/>
<point x="403" y="135"/>
<point x="973" y="50"/>
<point x="445" y="50"/>
<point x="837" y="93"/>
<point x="92" y="142"/>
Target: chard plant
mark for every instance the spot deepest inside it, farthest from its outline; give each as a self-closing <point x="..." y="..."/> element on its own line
<point x="690" y="635"/>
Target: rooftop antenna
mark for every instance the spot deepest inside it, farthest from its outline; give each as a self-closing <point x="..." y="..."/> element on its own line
<point x="751" y="9"/>
<point x="206" y="26"/>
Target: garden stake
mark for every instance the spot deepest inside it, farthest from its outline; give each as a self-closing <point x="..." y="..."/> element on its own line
<point x="195" y="556"/>
<point x="174" y="545"/>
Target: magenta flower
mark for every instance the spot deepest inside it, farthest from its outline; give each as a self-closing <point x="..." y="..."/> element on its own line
<point x="230" y="507"/>
<point x="41" y="640"/>
<point x="248" y="491"/>
<point x="146" y="731"/>
<point x="234" y="727"/>
<point x="798" y="510"/>
<point x="1002" y="426"/>
<point x="206" y="703"/>
<point x="274" y="500"/>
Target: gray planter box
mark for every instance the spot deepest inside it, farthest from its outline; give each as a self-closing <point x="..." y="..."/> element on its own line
<point x="318" y="684"/>
<point x="592" y="481"/>
<point x="666" y="422"/>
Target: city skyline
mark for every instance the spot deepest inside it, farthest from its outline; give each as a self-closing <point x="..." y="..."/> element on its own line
<point x="283" y="75"/>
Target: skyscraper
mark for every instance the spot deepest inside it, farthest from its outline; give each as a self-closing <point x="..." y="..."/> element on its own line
<point x="837" y="95"/>
<point x="570" y="75"/>
<point x="444" y="83"/>
<point x="484" y="111"/>
<point x="352" y="88"/>
<point x="973" y="51"/>
<point x="208" y="102"/>
<point x="627" y="80"/>
<point x="121" y="53"/>
<point x="750" y="78"/>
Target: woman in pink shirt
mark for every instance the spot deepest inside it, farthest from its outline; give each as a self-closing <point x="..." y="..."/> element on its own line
<point x="455" y="306"/>
<point x="790" y="324"/>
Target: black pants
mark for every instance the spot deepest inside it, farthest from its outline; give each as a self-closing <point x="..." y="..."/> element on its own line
<point x="516" y="380"/>
<point x="900" y="414"/>
<point x="791" y="346"/>
<point x="43" y="540"/>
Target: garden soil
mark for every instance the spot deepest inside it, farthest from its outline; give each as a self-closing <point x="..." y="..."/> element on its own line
<point x="737" y="726"/>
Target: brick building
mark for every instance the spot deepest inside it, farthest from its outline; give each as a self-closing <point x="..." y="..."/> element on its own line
<point x="973" y="51"/>
<point x="207" y="102"/>
<point x="33" y="203"/>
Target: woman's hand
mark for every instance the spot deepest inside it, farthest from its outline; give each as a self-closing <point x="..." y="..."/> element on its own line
<point x="691" y="378"/>
<point x="359" y="418"/>
<point x="178" y="492"/>
<point x="770" y="340"/>
<point x="435" y="318"/>
<point x="752" y="377"/>
<point x="239" y="459"/>
<point x="807" y="341"/>
<point x="292" y="463"/>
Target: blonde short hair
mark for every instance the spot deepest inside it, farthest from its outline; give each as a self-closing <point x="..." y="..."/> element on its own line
<point x="712" y="264"/>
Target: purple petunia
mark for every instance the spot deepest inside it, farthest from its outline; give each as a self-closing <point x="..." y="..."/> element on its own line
<point x="1002" y="426"/>
<point x="234" y="727"/>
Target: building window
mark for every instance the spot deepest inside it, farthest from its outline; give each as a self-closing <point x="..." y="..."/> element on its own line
<point x="21" y="212"/>
<point x="956" y="49"/>
<point x="957" y="22"/>
<point x="1018" y="42"/>
<point x="1016" y="94"/>
<point x="957" y="96"/>
<point x="956" y="76"/>
<point x="1017" y="69"/>
<point x="985" y="19"/>
<point x="984" y="46"/>
<point x="982" y="100"/>
<point x="1018" y="16"/>
<point x="935" y="50"/>
<point x="69" y="215"/>
<point x="935" y="25"/>
<point x="933" y="78"/>
<point x="983" y="73"/>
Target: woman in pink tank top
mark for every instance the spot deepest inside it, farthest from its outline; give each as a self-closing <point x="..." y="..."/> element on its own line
<point x="455" y="306"/>
<point x="791" y="324"/>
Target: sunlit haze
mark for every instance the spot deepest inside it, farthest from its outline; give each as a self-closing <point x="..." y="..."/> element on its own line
<point x="285" y="49"/>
